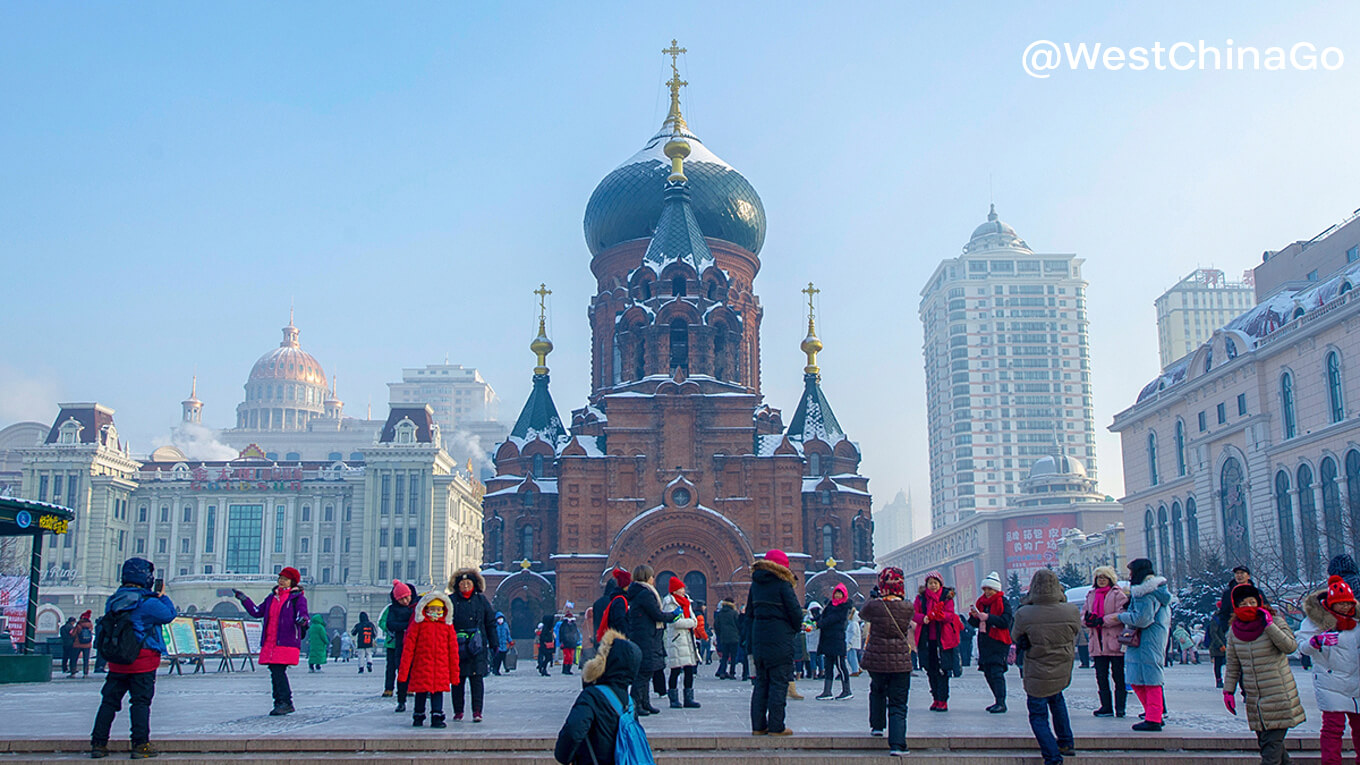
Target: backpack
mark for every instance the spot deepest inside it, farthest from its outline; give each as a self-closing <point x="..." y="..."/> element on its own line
<point x="366" y="636"/>
<point x="631" y="747"/>
<point x="118" y="642"/>
<point x="570" y="635"/>
<point x="84" y="636"/>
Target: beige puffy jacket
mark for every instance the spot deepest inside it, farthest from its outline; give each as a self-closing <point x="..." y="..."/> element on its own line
<point x="1261" y="666"/>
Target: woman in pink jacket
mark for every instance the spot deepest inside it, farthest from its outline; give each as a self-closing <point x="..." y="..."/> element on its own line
<point x="1101" y="617"/>
<point x="937" y="636"/>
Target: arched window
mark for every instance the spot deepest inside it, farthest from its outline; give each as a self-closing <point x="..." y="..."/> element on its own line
<point x="678" y="286"/>
<point x="640" y="357"/>
<point x="528" y="499"/>
<point x="1287" y="405"/>
<point x="647" y="290"/>
<point x="1230" y="347"/>
<point x="814" y="464"/>
<point x="1152" y="458"/>
<point x="1164" y="540"/>
<point x="538" y="466"/>
<point x="828" y="542"/>
<point x="1337" y="405"/>
<point x="712" y="290"/>
<point x="616" y="357"/>
<point x="863" y="540"/>
<point x="826" y="496"/>
<point x="1192" y="528"/>
<point x="1331" y="508"/>
<point x="1150" y="533"/>
<point x="1178" y="538"/>
<point x="1353" y="494"/>
<point x="526" y="543"/>
<point x="1209" y="361"/>
<point x="720" y="353"/>
<point x="679" y="344"/>
<point x="1233" y="501"/>
<point x="1284" y="516"/>
<point x="1308" y="525"/>
<point x="1180" y="447"/>
<point x="494" y="549"/>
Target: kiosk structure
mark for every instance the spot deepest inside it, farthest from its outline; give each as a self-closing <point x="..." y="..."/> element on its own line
<point x="20" y="518"/>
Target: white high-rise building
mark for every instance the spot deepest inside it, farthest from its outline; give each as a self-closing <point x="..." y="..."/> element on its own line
<point x="1007" y="362"/>
<point x="457" y="394"/>
<point x="1189" y="312"/>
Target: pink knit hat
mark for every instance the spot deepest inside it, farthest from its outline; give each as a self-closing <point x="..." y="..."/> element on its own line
<point x="400" y="590"/>
<point x="778" y="556"/>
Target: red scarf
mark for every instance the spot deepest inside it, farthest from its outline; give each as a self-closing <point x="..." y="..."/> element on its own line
<point x="1248" y="622"/>
<point x="994" y="606"/>
<point x="1343" y="622"/>
<point x="684" y="604"/>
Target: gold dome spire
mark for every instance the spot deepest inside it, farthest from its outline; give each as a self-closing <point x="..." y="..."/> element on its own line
<point x="674" y="120"/>
<point x="541" y="345"/>
<point x="811" y="345"/>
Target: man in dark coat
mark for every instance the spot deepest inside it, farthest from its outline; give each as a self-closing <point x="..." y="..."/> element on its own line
<point x="775" y="618"/>
<point x="588" y="736"/>
<point x="645" y="624"/>
<point x="475" y="621"/>
<point x="726" y="632"/>
<point x="1241" y="575"/>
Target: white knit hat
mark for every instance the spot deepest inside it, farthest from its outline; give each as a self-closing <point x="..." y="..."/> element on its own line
<point x="993" y="580"/>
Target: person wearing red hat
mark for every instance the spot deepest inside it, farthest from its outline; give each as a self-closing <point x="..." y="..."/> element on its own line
<point x="776" y="619"/>
<point x="1330" y="637"/>
<point x="394" y="621"/>
<point x="611" y="610"/>
<point x="682" y="654"/>
<point x="284" y="611"/>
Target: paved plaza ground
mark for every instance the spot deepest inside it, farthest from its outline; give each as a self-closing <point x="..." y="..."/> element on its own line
<point x="338" y="702"/>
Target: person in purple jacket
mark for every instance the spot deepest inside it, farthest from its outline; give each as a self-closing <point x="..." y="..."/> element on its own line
<point x="284" y="611"/>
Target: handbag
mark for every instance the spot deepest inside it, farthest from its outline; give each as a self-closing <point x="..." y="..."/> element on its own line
<point x="471" y="642"/>
<point x="1130" y="637"/>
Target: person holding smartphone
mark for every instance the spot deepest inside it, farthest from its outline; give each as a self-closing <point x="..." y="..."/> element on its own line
<point x="140" y="603"/>
<point x="284" y="611"/>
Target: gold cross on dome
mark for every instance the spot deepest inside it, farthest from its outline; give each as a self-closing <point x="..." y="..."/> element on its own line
<point x="542" y="293"/>
<point x="810" y="292"/>
<point x="674" y="52"/>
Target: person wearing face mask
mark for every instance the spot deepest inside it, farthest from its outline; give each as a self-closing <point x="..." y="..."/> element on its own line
<point x="429" y="658"/>
<point x="1259" y="644"/>
<point x="284" y="611"/>
<point x="503" y="644"/>
<point x="1330" y="637"/>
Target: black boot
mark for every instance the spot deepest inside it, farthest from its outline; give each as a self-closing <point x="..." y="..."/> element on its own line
<point x="674" y="695"/>
<point x="418" y="720"/>
<point x="437" y="720"/>
<point x="690" y="703"/>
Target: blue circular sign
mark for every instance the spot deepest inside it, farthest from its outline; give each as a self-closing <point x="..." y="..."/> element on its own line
<point x="23" y="519"/>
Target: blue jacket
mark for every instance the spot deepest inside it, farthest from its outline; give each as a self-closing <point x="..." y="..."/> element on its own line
<point x="1149" y="610"/>
<point x="502" y="633"/>
<point x="149" y="612"/>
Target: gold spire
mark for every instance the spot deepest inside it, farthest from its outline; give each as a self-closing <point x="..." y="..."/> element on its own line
<point x="674" y="118"/>
<point x="193" y="389"/>
<point x="541" y="345"/>
<point x="811" y="345"/>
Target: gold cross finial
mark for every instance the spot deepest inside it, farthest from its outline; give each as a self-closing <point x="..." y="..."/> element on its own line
<point x="811" y="345"/>
<point x="673" y="118"/>
<point x="542" y="346"/>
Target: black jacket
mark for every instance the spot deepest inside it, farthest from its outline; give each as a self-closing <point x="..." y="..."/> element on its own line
<point x="725" y="626"/>
<point x="644" y="612"/>
<point x="545" y="629"/>
<point x="618" y="610"/>
<point x="470" y="614"/>
<point x="992" y="651"/>
<point x="592" y="718"/>
<point x="775" y="614"/>
<point x="398" y="619"/>
<point x="831" y="629"/>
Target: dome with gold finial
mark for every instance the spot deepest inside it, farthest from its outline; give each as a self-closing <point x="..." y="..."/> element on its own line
<point x="626" y="205"/>
<point x="286" y="387"/>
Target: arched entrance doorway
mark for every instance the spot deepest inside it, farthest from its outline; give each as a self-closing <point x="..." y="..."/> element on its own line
<point x="706" y="546"/>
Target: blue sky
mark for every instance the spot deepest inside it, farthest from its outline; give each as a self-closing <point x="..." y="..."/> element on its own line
<point x="405" y="174"/>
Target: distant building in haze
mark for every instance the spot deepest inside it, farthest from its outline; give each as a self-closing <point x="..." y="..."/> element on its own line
<point x="1189" y="312"/>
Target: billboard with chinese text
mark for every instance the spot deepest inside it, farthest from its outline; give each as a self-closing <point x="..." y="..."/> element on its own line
<point x="1032" y="543"/>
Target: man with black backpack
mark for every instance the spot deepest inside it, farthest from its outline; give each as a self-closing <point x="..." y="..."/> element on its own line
<point x="129" y="639"/>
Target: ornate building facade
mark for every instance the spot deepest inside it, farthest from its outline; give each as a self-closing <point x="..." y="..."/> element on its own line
<point x="675" y="461"/>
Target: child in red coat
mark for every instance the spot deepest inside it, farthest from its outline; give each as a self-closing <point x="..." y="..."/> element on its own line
<point x="429" y="658"/>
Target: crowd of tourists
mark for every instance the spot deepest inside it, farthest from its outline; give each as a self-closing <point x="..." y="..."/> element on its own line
<point x="633" y="640"/>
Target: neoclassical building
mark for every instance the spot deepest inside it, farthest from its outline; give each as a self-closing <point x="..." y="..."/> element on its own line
<point x="675" y="460"/>
<point x="1249" y="447"/>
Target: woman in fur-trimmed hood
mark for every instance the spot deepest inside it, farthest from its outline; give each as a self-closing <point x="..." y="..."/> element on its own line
<point x="593" y="717"/>
<point x="475" y="621"/>
<point x="1149" y="612"/>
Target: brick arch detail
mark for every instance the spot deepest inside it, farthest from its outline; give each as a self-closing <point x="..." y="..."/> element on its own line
<point x="707" y="537"/>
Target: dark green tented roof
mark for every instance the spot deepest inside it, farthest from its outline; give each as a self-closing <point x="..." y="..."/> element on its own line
<point x="678" y="237"/>
<point x="539" y="417"/>
<point x="814" y="418"/>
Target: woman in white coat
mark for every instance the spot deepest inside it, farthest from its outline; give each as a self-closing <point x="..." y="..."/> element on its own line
<point x="682" y="653"/>
<point x="853" y="640"/>
<point x="1331" y="637"/>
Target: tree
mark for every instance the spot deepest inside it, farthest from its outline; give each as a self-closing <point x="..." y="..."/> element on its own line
<point x="1013" y="586"/>
<point x="1200" y="590"/>
<point x="1071" y="576"/>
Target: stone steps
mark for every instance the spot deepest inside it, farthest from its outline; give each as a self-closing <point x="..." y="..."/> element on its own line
<point x="427" y="746"/>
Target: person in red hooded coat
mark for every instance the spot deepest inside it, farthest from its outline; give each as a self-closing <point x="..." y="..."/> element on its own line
<point x="429" y="658"/>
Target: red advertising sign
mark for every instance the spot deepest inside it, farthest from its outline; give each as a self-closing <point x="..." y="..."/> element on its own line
<point x="1032" y="543"/>
<point x="965" y="584"/>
